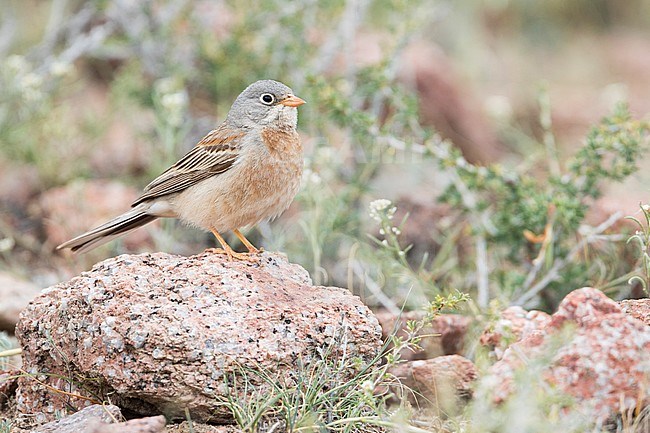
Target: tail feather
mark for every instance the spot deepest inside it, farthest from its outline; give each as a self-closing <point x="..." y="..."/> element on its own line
<point x="108" y="231"/>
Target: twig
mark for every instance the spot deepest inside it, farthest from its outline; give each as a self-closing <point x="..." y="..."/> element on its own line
<point x="482" y="272"/>
<point x="374" y="288"/>
<point x="59" y="391"/>
<point x="11" y="352"/>
<point x="53" y="27"/>
<point x="350" y="21"/>
<point x="7" y="29"/>
<point x="554" y="272"/>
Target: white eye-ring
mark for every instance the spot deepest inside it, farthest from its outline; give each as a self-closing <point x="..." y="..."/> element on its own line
<point x="267" y="99"/>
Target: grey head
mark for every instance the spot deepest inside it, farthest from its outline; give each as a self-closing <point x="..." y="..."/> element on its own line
<point x="265" y="103"/>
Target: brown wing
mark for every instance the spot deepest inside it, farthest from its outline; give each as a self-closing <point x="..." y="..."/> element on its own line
<point x="214" y="154"/>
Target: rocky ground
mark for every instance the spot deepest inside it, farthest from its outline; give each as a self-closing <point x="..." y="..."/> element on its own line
<point x="154" y="338"/>
<point x="133" y="343"/>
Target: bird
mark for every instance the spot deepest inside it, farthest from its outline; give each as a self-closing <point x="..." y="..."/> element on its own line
<point x="245" y="171"/>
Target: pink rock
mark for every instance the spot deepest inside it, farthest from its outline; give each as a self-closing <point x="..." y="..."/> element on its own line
<point x="603" y="361"/>
<point x="582" y="306"/>
<point x="514" y="324"/>
<point x="8" y="385"/>
<point x="445" y="335"/>
<point x="83" y="421"/>
<point x="637" y="308"/>
<point x="152" y="424"/>
<point x="444" y="383"/>
<point x="158" y="333"/>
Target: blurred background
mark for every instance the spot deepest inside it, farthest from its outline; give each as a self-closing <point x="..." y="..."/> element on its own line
<point x="450" y="145"/>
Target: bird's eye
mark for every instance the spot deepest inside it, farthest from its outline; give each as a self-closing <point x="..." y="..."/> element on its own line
<point x="267" y="98"/>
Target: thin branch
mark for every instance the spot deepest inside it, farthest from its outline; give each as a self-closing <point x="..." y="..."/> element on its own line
<point x="554" y="273"/>
<point x="374" y="288"/>
<point x="482" y="272"/>
<point x="7" y="28"/>
<point x="11" y="352"/>
<point x="353" y="15"/>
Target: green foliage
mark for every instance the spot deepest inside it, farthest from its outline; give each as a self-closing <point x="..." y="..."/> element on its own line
<point x="532" y="224"/>
<point x="5" y="344"/>
<point x="507" y="235"/>
<point x="332" y="391"/>
<point x="642" y="240"/>
<point x="533" y="405"/>
<point x="32" y="125"/>
<point x="5" y="426"/>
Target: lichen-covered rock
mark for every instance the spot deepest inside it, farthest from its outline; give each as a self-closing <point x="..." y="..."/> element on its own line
<point x="637" y="308"/>
<point x="83" y="421"/>
<point x="583" y="306"/>
<point x="602" y="361"/>
<point x="444" y="383"/>
<point x="8" y="385"/>
<point x="151" y="424"/>
<point x="514" y="324"/>
<point x="158" y="333"/>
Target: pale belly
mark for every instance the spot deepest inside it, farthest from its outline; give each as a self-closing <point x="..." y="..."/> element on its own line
<point x="250" y="192"/>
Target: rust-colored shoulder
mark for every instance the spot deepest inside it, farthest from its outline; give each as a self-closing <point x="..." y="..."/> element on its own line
<point x="222" y="138"/>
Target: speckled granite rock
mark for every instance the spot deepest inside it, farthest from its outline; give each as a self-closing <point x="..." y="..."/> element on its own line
<point x="159" y="333"/>
<point x="637" y="308"/>
<point x="151" y="424"/>
<point x="603" y="362"/>
<point x="513" y="324"/>
<point x="83" y="421"/>
<point x="444" y="382"/>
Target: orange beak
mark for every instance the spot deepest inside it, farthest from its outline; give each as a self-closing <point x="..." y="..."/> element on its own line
<point x="292" y="101"/>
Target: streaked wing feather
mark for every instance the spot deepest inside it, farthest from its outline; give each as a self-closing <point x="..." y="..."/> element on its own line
<point x="214" y="154"/>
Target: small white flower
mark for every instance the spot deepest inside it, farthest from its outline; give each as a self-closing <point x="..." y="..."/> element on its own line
<point x="6" y="244"/>
<point x="499" y="107"/>
<point x="368" y="387"/>
<point x="324" y="154"/>
<point x="60" y="69"/>
<point x="174" y="104"/>
<point x="377" y="207"/>
<point x="397" y="231"/>
<point x="30" y="85"/>
<point x="166" y="85"/>
<point x="382" y="232"/>
<point x="31" y="80"/>
<point x="174" y="101"/>
<point x="315" y="178"/>
<point x="384" y="243"/>
<point x="645" y="207"/>
<point x="17" y="64"/>
<point x="310" y="176"/>
<point x="380" y="204"/>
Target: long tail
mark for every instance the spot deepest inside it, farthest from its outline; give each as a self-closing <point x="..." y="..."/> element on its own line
<point x="108" y="231"/>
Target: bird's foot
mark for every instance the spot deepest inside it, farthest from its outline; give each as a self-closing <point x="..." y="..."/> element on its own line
<point x="255" y="250"/>
<point x="234" y="255"/>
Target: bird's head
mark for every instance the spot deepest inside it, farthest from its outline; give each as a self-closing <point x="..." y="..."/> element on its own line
<point x="265" y="103"/>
